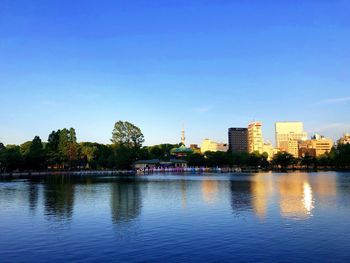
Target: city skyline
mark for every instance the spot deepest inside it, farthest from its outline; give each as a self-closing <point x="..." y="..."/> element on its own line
<point x="161" y="65"/>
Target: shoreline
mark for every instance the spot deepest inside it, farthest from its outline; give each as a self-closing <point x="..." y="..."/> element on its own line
<point x="39" y="175"/>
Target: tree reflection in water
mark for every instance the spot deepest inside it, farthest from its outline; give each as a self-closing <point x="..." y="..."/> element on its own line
<point x="125" y="201"/>
<point x="33" y="196"/>
<point x="59" y="197"/>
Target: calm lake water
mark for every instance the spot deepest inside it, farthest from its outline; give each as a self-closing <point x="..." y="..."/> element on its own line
<point x="296" y="217"/>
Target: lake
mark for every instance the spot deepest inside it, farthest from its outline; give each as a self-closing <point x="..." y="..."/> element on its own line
<point x="294" y="217"/>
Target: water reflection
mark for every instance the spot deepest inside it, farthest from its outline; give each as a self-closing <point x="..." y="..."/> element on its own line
<point x="183" y="187"/>
<point x="241" y="199"/>
<point x="262" y="189"/>
<point x="126" y="201"/>
<point x="296" y="196"/>
<point x="59" y="197"/>
<point x="33" y="196"/>
<point x="209" y="191"/>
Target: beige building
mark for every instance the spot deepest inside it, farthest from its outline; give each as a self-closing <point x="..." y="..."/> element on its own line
<point x="317" y="146"/>
<point x="270" y="150"/>
<point x="288" y="134"/>
<point x="255" y="138"/>
<point x="345" y="139"/>
<point x="212" y="146"/>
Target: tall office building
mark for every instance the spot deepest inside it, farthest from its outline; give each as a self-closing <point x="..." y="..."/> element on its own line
<point x="288" y="135"/>
<point x="255" y="138"/>
<point x="238" y="140"/>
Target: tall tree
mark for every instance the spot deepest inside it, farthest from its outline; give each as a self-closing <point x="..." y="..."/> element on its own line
<point x="68" y="147"/>
<point x="53" y="156"/>
<point x="127" y="135"/>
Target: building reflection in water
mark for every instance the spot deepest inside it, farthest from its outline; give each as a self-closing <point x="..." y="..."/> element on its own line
<point x="209" y="191"/>
<point x="262" y="189"/>
<point x="126" y="201"/>
<point x="296" y="196"/>
<point x="241" y="198"/>
<point x="59" y="197"/>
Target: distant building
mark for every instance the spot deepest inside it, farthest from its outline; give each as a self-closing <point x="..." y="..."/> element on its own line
<point x="345" y="139"/>
<point x="211" y="146"/>
<point x="317" y="146"/>
<point x="156" y="163"/>
<point x="181" y="151"/>
<point x="195" y="148"/>
<point x="270" y="150"/>
<point x="288" y="135"/>
<point x="255" y="138"/>
<point x="238" y="140"/>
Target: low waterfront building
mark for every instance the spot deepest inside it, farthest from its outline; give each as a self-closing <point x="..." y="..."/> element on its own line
<point x="156" y="163"/>
<point x="143" y="164"/>
<point x="212" y="146"/>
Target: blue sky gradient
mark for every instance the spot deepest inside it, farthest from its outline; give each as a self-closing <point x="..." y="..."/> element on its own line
<point x="208" y="65"/>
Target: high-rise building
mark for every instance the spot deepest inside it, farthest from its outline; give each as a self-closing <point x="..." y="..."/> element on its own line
<point x="288" y="134"/>
<point x="255" y="138"/>
<point x="238" y="140"/>
<point x="211" y="146"/>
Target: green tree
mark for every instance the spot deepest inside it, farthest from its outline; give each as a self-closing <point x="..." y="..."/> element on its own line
<point x="68" y="147"/>
<point x="308" y="161"/>
<point x="196" y="160"/>
<point x="283" y="160"/>
<point x="89" y="154"/>
<point x="33" y="153"/>
<point x="11" y="158"/>
<point x="341" y="156"/>
<point x="2" y="153"/>
<point x="128" y="135"/>
<point x="53" y="155"/>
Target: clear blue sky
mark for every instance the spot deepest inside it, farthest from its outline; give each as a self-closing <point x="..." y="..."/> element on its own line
<point x="209" y="65"/>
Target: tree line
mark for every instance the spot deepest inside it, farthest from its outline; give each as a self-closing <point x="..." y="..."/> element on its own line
<point x="63" y="152"/>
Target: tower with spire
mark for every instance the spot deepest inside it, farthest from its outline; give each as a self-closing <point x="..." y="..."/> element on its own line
<point x="183" y="138"/>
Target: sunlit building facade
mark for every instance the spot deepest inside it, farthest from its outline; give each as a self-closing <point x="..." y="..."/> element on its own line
<point x="270" y="150"/>
<point x="317" y="146"/>
<point x="288" y="135"/>
<point x="255" y="138"/>
<point x="345" y="139"/>
<point x="212" y="146"/>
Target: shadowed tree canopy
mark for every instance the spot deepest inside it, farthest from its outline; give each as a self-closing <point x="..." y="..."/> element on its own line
<point x="127" y="134"/>
<point x="284" y="159"/>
